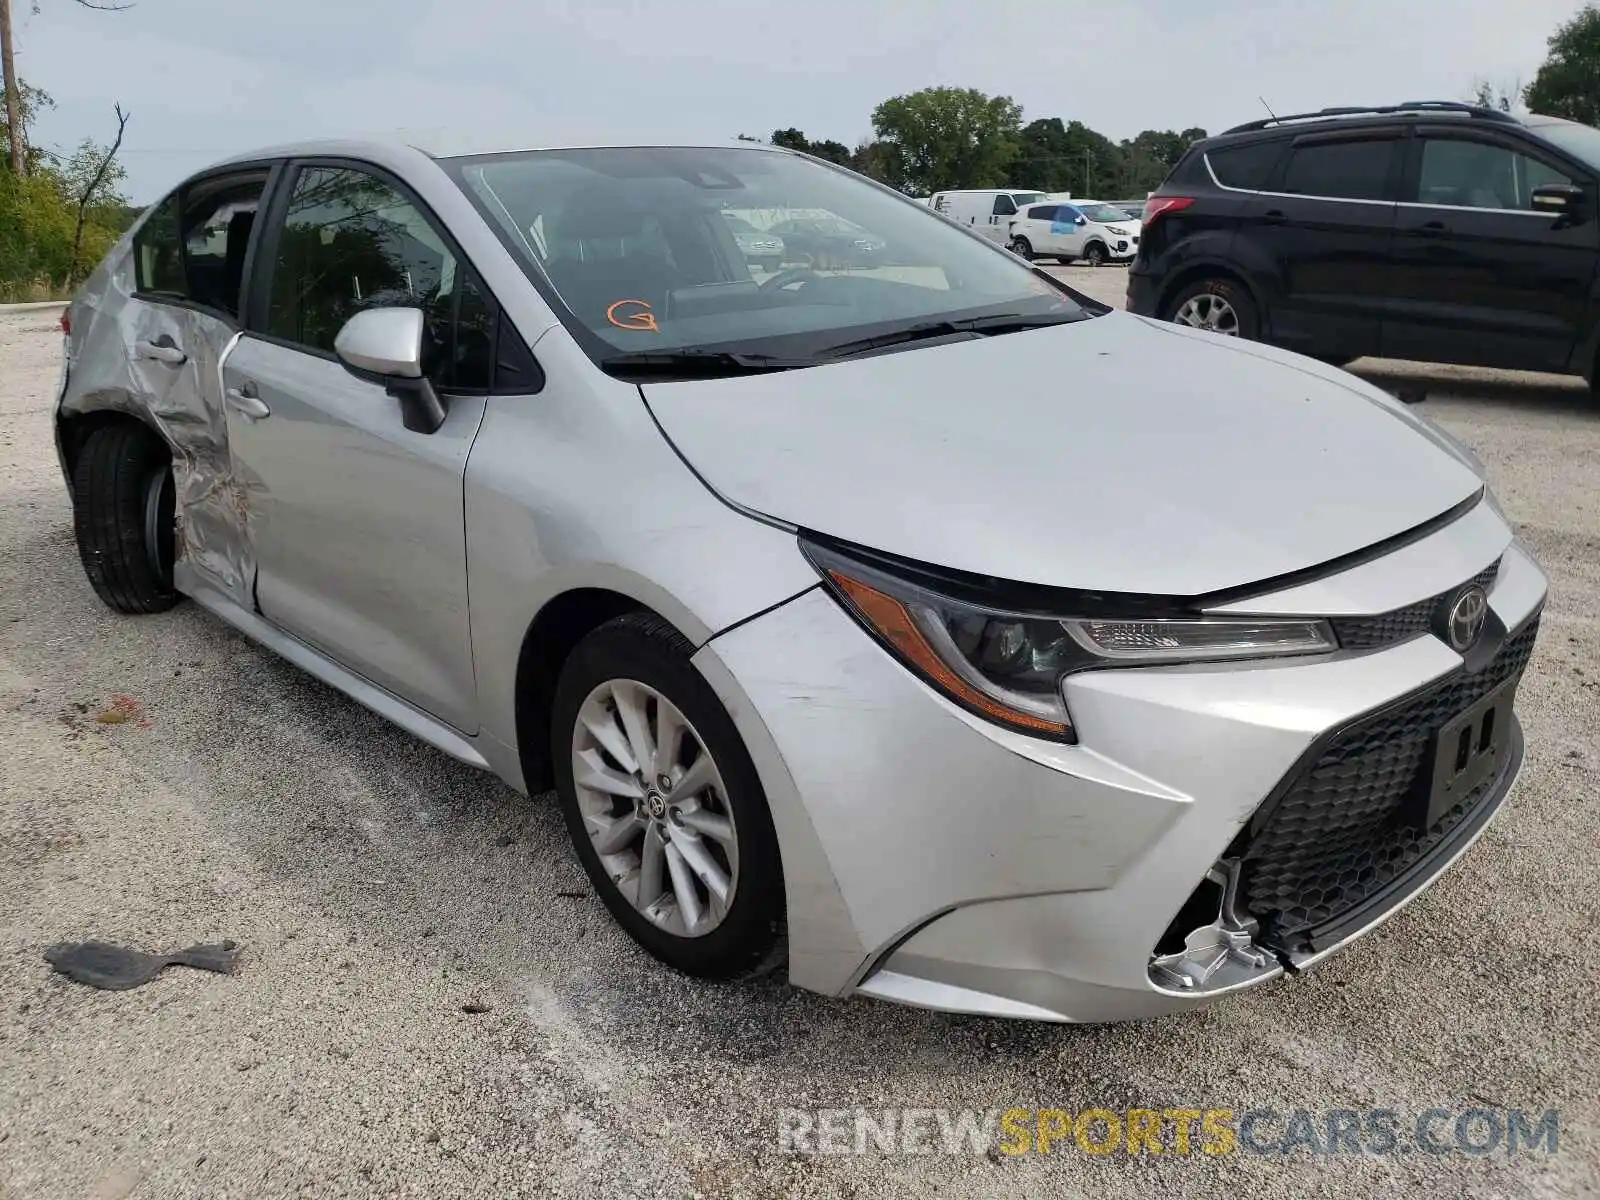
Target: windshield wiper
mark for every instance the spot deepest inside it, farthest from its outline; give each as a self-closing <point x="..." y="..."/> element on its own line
<point x="989" y="326"/>
<point x="696" y="364"/>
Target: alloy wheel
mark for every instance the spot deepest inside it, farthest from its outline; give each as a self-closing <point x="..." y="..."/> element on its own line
<point x="655" y="808"/>
<point x="1210" y="312"/>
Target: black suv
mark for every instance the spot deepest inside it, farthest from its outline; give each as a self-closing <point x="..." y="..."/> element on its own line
<point x="1434" y="231"/>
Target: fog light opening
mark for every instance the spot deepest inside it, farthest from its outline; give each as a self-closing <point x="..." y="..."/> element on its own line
<point x="1210" y="946"/>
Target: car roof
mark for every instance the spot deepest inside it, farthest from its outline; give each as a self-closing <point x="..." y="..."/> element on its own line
<point x="1367" y="117"/>
<point x="456" y="143"/>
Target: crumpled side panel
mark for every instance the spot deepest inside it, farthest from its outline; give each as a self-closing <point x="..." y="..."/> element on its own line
<point x="182" y="401"/>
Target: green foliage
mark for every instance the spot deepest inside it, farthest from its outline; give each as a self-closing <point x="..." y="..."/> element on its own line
<point x="1568" y="85"/>
<point x="951" y="137"/>
<point x="39" y="213"/>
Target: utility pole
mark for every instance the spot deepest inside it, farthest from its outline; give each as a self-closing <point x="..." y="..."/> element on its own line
<point x="8" y="65"/>
<point x="1086" y="190"/>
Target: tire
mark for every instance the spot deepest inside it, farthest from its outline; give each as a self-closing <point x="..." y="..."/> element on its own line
<point x="1022" y="248"/>
<point x="1222" y="306"/>
<point x="648" y="661"/>
<point x="123" y="513"/>
<point x="1095" y="254"/>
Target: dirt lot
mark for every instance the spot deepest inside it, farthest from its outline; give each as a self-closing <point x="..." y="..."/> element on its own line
<point x="378" y="888"/>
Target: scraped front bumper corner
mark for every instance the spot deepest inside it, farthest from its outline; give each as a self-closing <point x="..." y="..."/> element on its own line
<point x="1139" y="872"/>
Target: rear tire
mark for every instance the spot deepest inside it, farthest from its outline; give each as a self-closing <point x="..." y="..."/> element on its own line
<point x="123" y="511"/>
<point x="1220" y="306"/>
<point x="641" y="662"/>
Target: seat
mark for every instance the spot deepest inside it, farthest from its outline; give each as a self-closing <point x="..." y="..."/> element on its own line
<point x="591" y="284"/>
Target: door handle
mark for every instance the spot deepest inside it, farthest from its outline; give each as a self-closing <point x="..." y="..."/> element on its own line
<point x="163" y="350"/>
<point x="1432" y="229"/>
<point x="247" y="404"/>
<point x="1274" y="217"/>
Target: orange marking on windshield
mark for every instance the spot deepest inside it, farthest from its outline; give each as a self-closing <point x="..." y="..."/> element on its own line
<point x="642" y="318"/>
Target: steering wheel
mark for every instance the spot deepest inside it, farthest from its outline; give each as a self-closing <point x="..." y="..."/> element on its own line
<point x="784" y="278"/>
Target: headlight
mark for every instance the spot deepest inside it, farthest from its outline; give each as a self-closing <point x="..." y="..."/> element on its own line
<point x="1010" y="666"/>
<point x="1115" y="230"/>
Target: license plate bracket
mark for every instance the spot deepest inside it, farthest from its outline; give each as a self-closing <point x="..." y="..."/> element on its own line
<point x="1467" y="750"/>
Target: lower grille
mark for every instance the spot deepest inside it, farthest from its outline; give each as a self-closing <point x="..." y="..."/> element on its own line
<point x="1342" y="832"/>
<point x="1365" y="633"/>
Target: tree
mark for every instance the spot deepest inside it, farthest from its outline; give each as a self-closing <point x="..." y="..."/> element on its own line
<point x="1067" y="158"/>
<point x="92" y="174"/>
<point x="1149" y="158"/>
<point x="1568" y="84"/>
<point x="951" y="137"/>
<point x="16" y="119"/>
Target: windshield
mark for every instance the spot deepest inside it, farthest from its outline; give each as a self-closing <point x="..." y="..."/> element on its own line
<point x="1102" y="212"/>
<point x="635" y="247"/>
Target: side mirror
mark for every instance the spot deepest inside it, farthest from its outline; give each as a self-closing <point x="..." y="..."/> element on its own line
<point x="1558" y="200"/>
<point x="385" y="345"/>
<point x="1081" y="220"/>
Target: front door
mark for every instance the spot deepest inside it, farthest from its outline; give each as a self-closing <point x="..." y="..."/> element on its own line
<point x="1480" y="277"/>
<point x="358" y="522"/>
<point x="1325" y="228"/>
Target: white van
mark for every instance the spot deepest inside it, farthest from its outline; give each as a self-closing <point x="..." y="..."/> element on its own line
<point x="986" y="210"/>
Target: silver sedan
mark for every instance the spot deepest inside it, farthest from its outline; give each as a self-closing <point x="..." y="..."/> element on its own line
<point x="927" y="630"/>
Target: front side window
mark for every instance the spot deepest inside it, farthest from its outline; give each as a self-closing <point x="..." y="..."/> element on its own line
<point x="351" y="242"/>
<point x="1353" y="170"/>
<point x="637" y="250"/>
<point x="1457" y="172"/>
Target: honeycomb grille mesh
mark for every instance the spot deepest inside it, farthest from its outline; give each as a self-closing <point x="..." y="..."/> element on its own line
<point x="1367" y="633"/>
<point x="1341" y="833"/>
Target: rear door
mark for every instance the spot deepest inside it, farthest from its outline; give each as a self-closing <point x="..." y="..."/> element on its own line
<point x="358" y="522"/>
<point x="189" y="260"/>
<point x="1324" y="228"/>
<point x="1479" y="277"/>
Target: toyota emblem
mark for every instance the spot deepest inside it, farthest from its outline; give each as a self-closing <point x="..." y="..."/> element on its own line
<point x="1465" y="620"/>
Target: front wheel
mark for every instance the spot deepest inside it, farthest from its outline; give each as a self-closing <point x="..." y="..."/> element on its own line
<point x="1022" y="248"/>
<point x="1095" y="255"/>
<point x="663" y="803"/>
<point x="1217" y="306"/>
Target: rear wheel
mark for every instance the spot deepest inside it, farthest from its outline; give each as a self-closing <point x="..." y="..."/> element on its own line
<point x="123" y="510"/>
<point x="1215" y="305"/>
<point x="663" y="804"/>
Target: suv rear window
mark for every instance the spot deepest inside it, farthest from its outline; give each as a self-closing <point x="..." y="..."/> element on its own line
<point x="1356" y="170"/>
<point x="1248" y="167"/>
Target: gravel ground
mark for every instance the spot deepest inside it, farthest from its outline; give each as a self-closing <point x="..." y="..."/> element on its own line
<point x="380" y="891"/>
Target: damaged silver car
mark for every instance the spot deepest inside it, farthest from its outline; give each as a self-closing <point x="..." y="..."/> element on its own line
<point x="914" y="623"/>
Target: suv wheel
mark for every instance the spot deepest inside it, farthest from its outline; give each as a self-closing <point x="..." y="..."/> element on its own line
<point x="122" y="510"/>
<point x="1216" y="305"/>
<point x="663" y="803"/>
<point x="1095" y="254"/>
<point x="1022" y="248"/>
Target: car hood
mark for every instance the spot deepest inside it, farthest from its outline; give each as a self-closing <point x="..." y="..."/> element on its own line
<point x="1115" y="454"/>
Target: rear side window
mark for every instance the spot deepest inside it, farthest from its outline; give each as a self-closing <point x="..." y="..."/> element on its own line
<point x="193" y="246"/>
<point x="157" y="252"/>
<point x="1042" y="212"/>
<point x="1357" y="170"/>
<point x="1248" y="167"/>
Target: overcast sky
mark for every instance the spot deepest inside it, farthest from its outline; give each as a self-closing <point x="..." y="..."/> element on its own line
<point x="204" y="78"/>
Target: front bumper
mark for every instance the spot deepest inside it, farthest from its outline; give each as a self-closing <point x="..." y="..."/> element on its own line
<point x="954" y="865"/>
